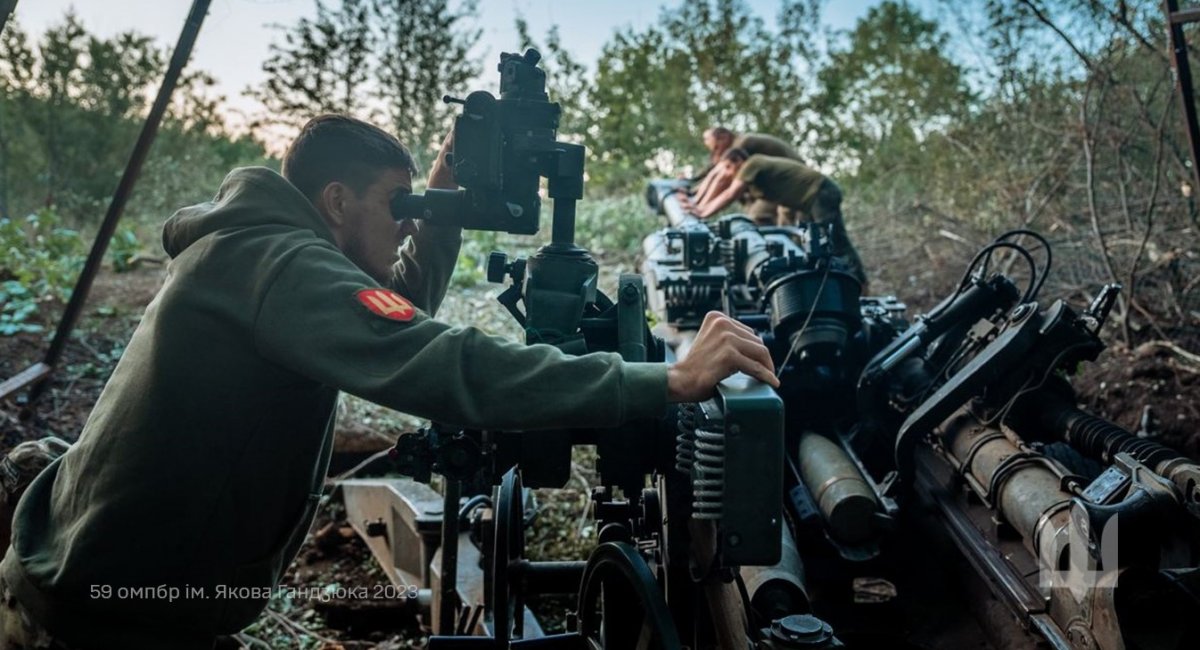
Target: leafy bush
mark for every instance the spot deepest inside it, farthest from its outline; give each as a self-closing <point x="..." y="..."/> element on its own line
<point x="472" y="258"/>
<point x="18" y="305"/>
<point x="612" y="229"/>
<point x="123" y="250"/>
<point x="41" y="261"/>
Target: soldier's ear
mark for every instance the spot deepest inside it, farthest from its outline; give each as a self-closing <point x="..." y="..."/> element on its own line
<point x="332" y="203"/>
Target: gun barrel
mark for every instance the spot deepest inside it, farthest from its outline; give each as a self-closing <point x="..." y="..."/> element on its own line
<point x="662" y="197"/>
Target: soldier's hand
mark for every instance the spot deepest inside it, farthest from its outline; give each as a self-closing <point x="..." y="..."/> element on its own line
<point x="441" y="173"/>
<point x="722" y="347"/>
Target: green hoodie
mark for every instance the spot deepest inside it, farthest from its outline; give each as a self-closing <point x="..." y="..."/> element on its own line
<point x="201" y="465"/>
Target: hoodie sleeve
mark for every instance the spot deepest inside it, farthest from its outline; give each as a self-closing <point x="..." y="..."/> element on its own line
<point x="427" y="261"/>
<point x="314" y="321"/>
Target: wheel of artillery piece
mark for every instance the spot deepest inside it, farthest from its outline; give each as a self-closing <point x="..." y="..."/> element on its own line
<point x="508" y="603"/>
<point x="620" y="605"/>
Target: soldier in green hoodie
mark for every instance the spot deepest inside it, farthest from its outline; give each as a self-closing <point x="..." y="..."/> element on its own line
<point x="197" y="474"/>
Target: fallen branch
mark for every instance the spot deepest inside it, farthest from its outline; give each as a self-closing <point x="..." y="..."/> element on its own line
<point x="1190" y="357"/>
<point x="1150" y="319"/>
<point x="283" y="622"/>
<point x="955" y="237"/>
<point x="249" y="641"/>
<point x="297" y="629"/>
<point x="1178" y="366"/>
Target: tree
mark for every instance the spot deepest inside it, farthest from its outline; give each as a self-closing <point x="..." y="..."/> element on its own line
<point x="705" y="63"/>
<point x="16" y="88"/>
<point x="84" y="98"/>
<point x="394" y="58"/>
<point x="631" y="102"/>
<point x="424" y="50"/>
<point x="323" y="65"/>
<point x="566" y="79"/>
<point x="889" y="87"/>
<point x="71" y="107"/>
<point x="735" y="71"/>
<point x="1131" y="151"/>
<point x="60" y="51"/>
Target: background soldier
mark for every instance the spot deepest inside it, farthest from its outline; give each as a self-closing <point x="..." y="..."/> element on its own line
<point x="719" y="140"/>
<point x="793" y="185"/>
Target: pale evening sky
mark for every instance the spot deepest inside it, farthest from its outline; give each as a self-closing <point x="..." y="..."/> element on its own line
<point x="233" y="41"/>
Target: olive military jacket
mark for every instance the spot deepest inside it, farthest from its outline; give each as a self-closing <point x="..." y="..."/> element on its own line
<point x="784" y="181"/>
<point x="197" y="474"/>
<point x="766" y="145"/>
<point x="754" y="143"/>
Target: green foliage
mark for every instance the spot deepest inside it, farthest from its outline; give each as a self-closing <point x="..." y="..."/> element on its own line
<point x="322" y="65"/>
<point x="123" y="250"/>
<point x="1068" y="126"/>
<point x="633" y="110"/>
<point x="424" y="50"/>
<point x="472" y="259"/>
<point x="394" y="58"/>
<point x="41" y="261"/>
<point x="882" y="96"/>
<point x="100" y="364"/>
<point x="614" y="228"/>
<point x="892" y="81"/>
<point x="610" y="228"/>
<point x="17" y="306"/>
<point x="79" y="101"/>
<point x="42" y="254"/>
<point x="71" y="107"/>
<point x="566" y="79"/>
<point x="702" y="64"/>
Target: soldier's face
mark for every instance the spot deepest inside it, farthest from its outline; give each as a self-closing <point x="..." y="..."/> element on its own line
<point x="716" y="144"/>
<point x="372" y="236"/>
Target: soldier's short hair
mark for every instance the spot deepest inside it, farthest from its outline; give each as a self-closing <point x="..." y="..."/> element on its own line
<point x="339" y="148"/>
<point x="736" y="155"/>
<point x="720" y="132"/>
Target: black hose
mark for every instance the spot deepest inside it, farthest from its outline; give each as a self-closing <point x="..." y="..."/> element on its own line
<point x="474" y="502"/>
<point x="1098" y="438"/>
<point x="985" y="253"/>
<point x="1045" y="272"/>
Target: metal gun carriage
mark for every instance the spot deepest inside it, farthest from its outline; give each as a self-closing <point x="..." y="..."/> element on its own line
<point x="823" y="514"/>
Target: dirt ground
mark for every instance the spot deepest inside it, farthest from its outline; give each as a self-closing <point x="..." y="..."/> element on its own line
<point x="1149" y="389"/>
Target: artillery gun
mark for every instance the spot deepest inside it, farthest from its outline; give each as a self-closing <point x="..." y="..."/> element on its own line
<point x="958" y="428"/>
<point x="823" y="514"/>
<point x="961" y="441"/>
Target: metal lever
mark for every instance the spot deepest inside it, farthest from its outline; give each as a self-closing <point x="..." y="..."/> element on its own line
<point x="1101" y="306"/>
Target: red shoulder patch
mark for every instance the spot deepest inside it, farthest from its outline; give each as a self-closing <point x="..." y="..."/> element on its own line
<point x="388" y="304"/>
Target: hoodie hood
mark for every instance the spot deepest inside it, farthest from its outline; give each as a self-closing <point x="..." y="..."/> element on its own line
<point x="249" y="197"/>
